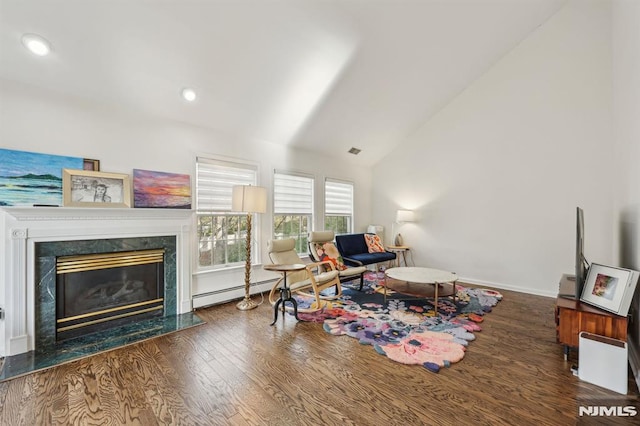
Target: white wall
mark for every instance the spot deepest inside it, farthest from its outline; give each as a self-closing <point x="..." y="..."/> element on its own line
<point x="496" y="175"/>
<point x="39" y="121"/>
<point x="626" y="107"/>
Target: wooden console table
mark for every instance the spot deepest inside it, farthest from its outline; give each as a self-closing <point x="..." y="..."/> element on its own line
<point x="572" y="317"/>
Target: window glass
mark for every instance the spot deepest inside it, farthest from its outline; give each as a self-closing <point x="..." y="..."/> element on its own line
<point x="221" y="233"/>
<point x="293" y="208"/>
<point x="338" y="202"/>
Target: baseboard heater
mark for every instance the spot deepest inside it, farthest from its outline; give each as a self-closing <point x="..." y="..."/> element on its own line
<point x="210" y="298"/>
<point x="603" y="361"/>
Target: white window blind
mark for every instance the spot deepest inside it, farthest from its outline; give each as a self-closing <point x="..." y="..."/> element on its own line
<point x="214" y="182"/>
<point x="338" y="197"/>
<point x="292" y="194"/>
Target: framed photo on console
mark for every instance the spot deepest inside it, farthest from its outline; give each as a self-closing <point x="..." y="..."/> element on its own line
<point x="610" y="288"/>
<point x="84" y="188"/>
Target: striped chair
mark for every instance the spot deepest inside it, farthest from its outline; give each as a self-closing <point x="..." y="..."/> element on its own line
<point x="322" y="248"/>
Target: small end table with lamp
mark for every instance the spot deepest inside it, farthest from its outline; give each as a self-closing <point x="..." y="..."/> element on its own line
<point x="399" y="250"/>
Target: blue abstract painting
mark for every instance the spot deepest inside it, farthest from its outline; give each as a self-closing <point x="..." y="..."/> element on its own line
<point x="28" y="178"/>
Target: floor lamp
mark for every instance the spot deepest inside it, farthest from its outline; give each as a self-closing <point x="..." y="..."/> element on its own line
<point x="249" y="199"/>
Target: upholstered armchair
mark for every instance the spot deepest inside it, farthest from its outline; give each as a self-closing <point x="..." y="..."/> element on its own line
<point x="322" y="248"/>
<point x="310" y="281"/>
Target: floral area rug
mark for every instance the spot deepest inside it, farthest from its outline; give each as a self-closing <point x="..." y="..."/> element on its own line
<point x="406" y="329"/>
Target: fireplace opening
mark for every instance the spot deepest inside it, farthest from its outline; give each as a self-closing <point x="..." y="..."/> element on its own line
<point x="99" y="291"/>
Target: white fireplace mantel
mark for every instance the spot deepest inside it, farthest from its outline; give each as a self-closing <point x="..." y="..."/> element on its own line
<point x="23" y="227"/>
<point x="73" y="213"/>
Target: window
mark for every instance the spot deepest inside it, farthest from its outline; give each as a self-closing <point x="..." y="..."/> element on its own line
<point x="221" y="233"/>
<point x="338" y="206"/>
<point x="292" y="208"/>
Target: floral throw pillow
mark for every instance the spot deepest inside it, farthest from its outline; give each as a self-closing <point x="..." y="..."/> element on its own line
<point x="328" y="251"/>
<point x="373" y="243"/>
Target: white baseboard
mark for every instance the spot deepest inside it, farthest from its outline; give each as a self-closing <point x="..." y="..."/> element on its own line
<point x="185" y="306"/>
<point x="527" y="290"/>
<point x="235" y="293"/>
<point x="18" y="345"/>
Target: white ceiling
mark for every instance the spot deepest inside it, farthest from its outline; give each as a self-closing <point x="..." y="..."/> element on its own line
<point x="320" y="75"/>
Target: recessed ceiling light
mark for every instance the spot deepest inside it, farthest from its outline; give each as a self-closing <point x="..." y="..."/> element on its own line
<point x="36" y="44"/>
<point x="188" y="94"/>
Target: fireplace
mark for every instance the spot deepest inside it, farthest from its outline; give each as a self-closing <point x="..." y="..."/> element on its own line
<point x="36" y="238"/>
<point x="78" y="279"/>
<point x="105" y="290"/>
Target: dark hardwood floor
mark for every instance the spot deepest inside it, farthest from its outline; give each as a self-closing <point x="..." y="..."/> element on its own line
<point x="237" y="370"/>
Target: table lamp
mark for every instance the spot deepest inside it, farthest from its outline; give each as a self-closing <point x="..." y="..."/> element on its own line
<point x="402" y="216"/>
<point x="249" y="199"/>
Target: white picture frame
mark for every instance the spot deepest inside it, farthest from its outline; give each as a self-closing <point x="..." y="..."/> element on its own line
<point x="610" y="288"/>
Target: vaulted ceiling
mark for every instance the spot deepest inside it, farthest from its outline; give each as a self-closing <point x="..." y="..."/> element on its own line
<point x="323" y="75"/>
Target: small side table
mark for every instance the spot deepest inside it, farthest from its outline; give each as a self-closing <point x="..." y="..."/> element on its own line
<point x="285" y="292"/>
<point x="399" y="250"/>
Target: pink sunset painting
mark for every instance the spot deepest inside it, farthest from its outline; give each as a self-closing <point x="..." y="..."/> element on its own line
<point x="161" y="190"/>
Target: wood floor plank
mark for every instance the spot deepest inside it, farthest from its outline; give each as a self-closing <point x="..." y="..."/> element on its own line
<point x="253" y="404"/>
<point x="216" y="399"/>
<point x="18" y="402"/>
<point x="85" y="406"/>
<point x="122" y="402"/>
<point x="170" y="394"/>
<point x="292" y="376"/>
<point x="52" y="395"/>
<point x="271" y="390"/>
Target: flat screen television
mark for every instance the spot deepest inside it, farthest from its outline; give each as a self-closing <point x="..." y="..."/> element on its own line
<point x="571" y="286"/>
<point x="581" y="262"/>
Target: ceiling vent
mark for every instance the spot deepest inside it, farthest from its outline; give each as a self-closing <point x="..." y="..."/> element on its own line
<point x="354" y="151"/>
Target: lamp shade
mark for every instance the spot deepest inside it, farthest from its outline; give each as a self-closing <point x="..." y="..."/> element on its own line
<point x="405" y="216"/>
<point x="249" y="199"/>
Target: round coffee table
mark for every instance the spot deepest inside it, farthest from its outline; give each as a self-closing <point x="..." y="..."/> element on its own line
<point x="421" y="282"/>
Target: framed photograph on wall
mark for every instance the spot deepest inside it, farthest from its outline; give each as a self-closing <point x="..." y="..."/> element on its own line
<point x="84" y="188"/>
<point x="610" y="288"/>
<point x="92" y="165"/>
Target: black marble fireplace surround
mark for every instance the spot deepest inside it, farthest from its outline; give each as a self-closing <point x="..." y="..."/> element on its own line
<point x="47" y="351"/>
